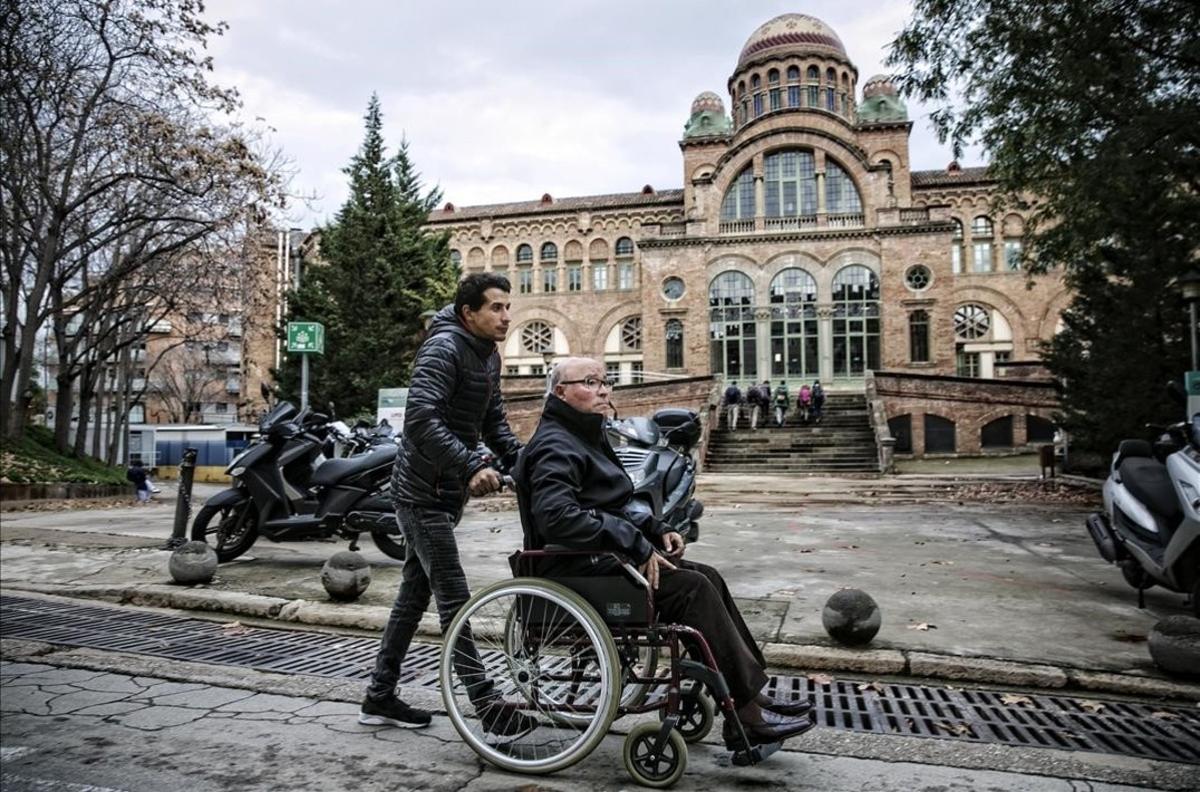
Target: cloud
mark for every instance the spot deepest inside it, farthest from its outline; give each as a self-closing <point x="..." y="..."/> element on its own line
<point x="506" y="101"/>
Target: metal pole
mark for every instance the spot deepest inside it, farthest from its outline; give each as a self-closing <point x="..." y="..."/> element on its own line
<point x="303" y="380"/>
<point x="1195" y="347"/>
<point x="183" y="503"/>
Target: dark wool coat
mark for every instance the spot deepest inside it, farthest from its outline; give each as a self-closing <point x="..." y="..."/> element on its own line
<point x="453" y="399"/>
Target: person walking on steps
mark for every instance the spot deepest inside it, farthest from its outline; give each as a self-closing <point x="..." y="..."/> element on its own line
<point x="454" y="398"/>
<point x="818" y="401"/>
<point x="733" y="404"/>
<point x="781" y="401"/>
<point x="804" y="403"/>
<point x="757" y="402"/>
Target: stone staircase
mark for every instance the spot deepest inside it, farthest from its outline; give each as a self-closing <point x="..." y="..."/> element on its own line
<point x="843" y="442"/>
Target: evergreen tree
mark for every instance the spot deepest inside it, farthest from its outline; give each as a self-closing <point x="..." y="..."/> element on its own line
<point x="378" y="272"/>
<point x="1090" y="110"/>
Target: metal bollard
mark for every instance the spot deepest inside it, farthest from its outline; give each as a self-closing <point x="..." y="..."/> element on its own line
<point x="183" y="503"/>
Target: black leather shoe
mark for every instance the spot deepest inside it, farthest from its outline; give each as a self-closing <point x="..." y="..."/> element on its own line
<point x="790" y="709"/>
<point x="765" y="732"/>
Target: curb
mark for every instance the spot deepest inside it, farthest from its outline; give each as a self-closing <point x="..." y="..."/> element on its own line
<point x="801" y="657"/>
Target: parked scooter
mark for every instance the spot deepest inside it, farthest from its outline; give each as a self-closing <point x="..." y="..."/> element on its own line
<point x="657" y="454"/>
<point x="1150" y="527"/>
<point x="284" y="488"/>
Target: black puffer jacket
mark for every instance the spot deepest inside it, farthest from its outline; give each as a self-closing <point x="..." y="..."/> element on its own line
<point x="573" y="491"/>
<point x="453" y="398"/>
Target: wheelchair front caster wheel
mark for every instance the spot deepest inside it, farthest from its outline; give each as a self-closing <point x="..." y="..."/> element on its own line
<point x="651" y="768"/>
<point x="697" y="713"/>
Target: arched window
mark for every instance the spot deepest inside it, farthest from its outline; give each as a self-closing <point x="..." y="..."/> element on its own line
<point x="901" y="429"/>
<point x="456" y="258"/>
<point x="789" y="184"/>
<point x="524" y="254"/>
<point x="623" y="248"/>
<point x="855" y="321"/>
<point x="537" y="337"/>
<point x="755" y="82"/>
<point x="549" y="252"/>
<point x="794" y="350"/>
<point x="956" y="245"/>
<point x="793" y="91"/>
<point x="674" y="335"/>
<point x="981" y="244"/>
<point x="939" y="435"/>
<point x="1038" y="430"/>
<point x="841" y="196"/>
<point x="830" y="90"/>
<point x="918" y="336"/>
<point x="982" y="338"/>
<point x="997" y="433"/>
<point x="738" y="203"/>
<point x="631" y="334"/>
<point x="813" y="79"/>
<point x="981" y="226"/>
<point x="971" y="322"/>
<point x="731" y="325"/>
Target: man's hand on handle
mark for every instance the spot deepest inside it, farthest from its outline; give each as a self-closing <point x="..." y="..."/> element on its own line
<point x="673" y="544"/>
<point x="651" y="568"/>
<point x="484" y="482"/>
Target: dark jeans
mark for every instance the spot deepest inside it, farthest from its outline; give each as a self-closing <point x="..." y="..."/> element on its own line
<point x="431" y="568"/>
<point x="696" y="595"/>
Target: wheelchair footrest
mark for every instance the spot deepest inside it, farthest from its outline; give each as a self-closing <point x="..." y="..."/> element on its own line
<point x="756" y="754"/>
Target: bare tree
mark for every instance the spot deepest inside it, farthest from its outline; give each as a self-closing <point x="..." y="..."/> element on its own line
<point x="115" y="176"/>
<point x="185" y="378"/>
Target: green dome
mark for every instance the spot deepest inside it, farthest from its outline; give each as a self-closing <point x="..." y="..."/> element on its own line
<point x="881" y="102"/>
<point x="708" y="117"/>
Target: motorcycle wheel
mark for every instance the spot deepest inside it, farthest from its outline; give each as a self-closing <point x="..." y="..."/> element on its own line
<point x="391" y="545"/>
<point x="1136" y="576"/>
<point x="230" y="539"/>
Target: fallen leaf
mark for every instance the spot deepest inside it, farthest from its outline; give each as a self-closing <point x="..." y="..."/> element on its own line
<point x="821" y="679"/>
<point x="953" y="728"/>
<point x="495" y="529"/>
<point x="923" y="626"/>
<point x="943" y="563"/>
<point x="1012" y="699"/>
<point x="1091" y="706"/>
<point x="878" y="688"/>
<point x="1160" y="715"/>
<point x="235" y="628"/>
<point x="806" y="550"/>
<point x="848" y="547"/>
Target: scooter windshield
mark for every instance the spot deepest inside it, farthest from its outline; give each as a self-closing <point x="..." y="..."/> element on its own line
<point x="282" y="411"/>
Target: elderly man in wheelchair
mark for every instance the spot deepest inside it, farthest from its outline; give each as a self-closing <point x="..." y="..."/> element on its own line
<point x="604" y="619"/>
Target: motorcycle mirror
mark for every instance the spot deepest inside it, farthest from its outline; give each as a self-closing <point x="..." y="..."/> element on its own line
<point x="332" y="409"/>
<point x="1176" y="392"/>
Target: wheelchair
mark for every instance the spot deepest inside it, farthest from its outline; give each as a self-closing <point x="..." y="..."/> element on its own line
<point x="575" y="654"/>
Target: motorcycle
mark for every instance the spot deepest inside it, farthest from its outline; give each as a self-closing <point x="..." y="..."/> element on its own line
<point x="286" y="489"/>
<point x="657" y="455"/>
<point x="1150" y="526"/>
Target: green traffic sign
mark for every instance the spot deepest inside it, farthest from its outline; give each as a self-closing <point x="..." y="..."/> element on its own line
<point x="1192" y="383"/>
<point x="306" y="337"/>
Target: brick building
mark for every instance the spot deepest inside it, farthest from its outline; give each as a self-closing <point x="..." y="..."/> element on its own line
<point x="801" y="246"/>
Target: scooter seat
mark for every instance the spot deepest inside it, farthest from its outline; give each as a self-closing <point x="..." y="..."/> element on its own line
<point x="1147" y="480"/>
<point x="334" y="470"/>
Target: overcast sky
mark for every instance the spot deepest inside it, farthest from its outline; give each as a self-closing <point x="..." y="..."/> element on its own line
<point x="504" y="100"/>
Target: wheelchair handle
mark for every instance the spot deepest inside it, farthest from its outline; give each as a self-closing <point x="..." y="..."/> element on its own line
<point x="637" y="576"/>
<point x="507" y="483"/>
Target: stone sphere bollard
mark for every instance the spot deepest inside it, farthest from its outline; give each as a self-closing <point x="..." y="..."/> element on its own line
<point x="851" y="617"/>
<point x="1175" y="645"/>
<point x="194" y="562"/>
<point x="346" y="576"/>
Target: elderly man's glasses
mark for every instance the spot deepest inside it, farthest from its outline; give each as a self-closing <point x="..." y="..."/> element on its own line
<point x="591" y="383"/>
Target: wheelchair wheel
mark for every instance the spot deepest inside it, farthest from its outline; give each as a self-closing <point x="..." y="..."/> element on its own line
<point x="697" y="713"/>
<point x="657" y="770"/>
<point x="642" y="661"/>
<point x="545" y="653"/>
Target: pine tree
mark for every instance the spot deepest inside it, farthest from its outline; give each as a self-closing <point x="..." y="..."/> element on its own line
<point x="379" y="271"/>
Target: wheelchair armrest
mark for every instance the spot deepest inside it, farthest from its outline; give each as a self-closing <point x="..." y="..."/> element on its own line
<point x="560" y="551"/>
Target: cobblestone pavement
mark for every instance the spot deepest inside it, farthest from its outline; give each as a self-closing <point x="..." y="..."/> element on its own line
<point x="80" y="730"/>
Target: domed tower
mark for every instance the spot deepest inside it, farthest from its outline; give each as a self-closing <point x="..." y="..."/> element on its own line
<point x="793" y="62"/>
<point x="881" y="102"/>
<point x="708" y="117"/>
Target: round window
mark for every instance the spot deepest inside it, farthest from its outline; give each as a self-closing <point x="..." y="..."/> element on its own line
<point x="673" y="288"/>
<point x="918" y="277"/>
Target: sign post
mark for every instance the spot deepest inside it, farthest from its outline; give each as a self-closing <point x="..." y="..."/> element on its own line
<point x="390" y="407"/>
<point x="1191" y="384"/>
<point x="305" y="338"/>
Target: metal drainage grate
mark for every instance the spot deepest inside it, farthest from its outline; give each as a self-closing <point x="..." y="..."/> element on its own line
<point x="981" y="716"/>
